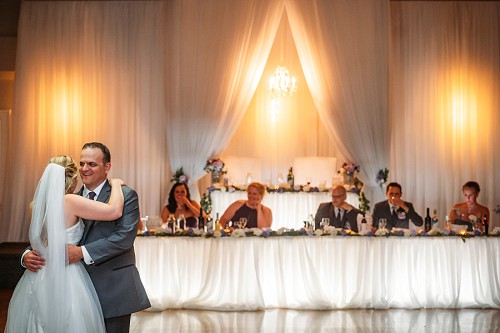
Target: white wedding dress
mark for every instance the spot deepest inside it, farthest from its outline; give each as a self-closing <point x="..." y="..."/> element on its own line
<point x="31" y="309"/>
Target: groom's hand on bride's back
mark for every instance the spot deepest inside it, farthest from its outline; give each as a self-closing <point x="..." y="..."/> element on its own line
<point x="75" y="253"/>
<point x="33" y="261"/>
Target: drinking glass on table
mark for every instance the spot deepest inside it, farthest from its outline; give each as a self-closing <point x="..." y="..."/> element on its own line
<point x="325" y="221"/>
<point x="243" y="222"/>
<point x="382" y="223"/>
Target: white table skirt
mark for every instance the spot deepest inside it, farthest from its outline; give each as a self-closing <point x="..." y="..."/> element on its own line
<point x="290" y="209"/>
<point x="319" y="272"/>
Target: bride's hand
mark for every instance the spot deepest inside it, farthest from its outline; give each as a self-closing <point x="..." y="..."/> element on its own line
<point x="116" y="182"/>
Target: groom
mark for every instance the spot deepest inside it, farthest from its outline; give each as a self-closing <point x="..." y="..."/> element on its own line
<point x="107" y="248"/>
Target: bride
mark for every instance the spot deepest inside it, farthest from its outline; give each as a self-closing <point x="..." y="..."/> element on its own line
<point x="60" y="297"/>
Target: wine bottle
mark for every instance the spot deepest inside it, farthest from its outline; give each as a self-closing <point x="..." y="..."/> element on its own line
<point x="201" y="220"/>
<point x="290" y="177"/>
<point x="435" y="219"/>
<point x="209" y="224"/>
<point x="485" y="225"/>
<point x="217" y="222"/>
<point x="363" y="223"/>
<point x="428" y="221"/>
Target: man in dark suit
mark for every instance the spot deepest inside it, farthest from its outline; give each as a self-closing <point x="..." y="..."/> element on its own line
<point x="340" y="213"/>
<point x="397" y="212"/>
<point x="107" y="248"/>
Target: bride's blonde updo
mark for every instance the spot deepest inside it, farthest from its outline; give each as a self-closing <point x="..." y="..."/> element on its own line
<point x="70" y="170"/>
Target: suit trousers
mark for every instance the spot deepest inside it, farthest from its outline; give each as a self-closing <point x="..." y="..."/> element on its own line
<point x="117" y="324"/>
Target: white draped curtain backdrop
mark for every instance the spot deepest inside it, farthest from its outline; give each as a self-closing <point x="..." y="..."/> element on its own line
<point x="445" y="99"/>
<point x="217" y="51"/>
<point x="412" y="86"/>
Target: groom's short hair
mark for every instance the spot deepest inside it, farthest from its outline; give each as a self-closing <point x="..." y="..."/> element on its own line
<point x="102" y="147"/>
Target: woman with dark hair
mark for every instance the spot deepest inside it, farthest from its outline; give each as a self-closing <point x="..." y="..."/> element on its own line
<point x="466" y="212"/>
<point x="180" y="203"/>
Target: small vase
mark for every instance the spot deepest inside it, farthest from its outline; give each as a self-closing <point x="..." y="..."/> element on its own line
<point x="215" y="177"/>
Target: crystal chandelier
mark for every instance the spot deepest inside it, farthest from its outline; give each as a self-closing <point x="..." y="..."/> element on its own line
<point x="282" y="84"/>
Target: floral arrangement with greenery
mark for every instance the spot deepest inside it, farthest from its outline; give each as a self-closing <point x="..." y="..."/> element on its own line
<point x="206" y="203"/>
<point x="329" y="231"/>
<point x="270" y="189"/>
<point x="349" y="168"/>
<point x="355" y="185"/>
<point x="215" y="165"/>
<point x="364" y="203"/>
<point x="180" y="177"/>
<point x="382" y="176"/>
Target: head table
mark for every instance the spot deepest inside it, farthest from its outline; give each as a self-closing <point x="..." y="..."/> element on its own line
<point x="320" y="272"/>
<point x="289" y="209"/>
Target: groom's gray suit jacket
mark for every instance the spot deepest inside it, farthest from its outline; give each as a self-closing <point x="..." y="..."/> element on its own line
<point x="111" y="246"/>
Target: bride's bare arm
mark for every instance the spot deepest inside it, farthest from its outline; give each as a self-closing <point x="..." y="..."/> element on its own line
<point x="79" y="206"/>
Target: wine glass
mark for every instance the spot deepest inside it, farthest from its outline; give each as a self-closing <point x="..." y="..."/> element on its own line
<point x="382" y="223"/>
<point x="243" y="222"/>
<point x="325" y="221"/>
<point x="308" y="181"/>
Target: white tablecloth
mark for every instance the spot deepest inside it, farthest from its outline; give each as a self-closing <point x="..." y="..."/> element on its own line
<point x="319" y="272"/>
<point x="290" y="209"/>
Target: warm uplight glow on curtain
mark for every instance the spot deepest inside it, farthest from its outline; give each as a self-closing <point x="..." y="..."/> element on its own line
<point x="276" y="130"/>
<point x="67" y="107"/>
<point x="87" y="71"/>
<point x="445" y="84"/>
<point x="274" y="109"/>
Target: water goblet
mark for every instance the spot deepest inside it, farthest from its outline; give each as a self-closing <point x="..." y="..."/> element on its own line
<point x="243" y="222"/>
<point x="181" y="222"/>
<point x="382" y="223"/>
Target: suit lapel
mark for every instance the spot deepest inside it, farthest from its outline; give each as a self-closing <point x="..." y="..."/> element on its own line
<point x="105" y="193"/>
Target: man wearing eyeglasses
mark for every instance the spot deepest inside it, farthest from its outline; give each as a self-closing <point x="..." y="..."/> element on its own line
<point x="396" y="211"/>
<point x="339" y="212"/>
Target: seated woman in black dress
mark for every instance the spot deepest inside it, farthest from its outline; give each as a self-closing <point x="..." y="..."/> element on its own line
<point x="179" y="202"/>
<point x="461" y="213"/>
<point x="258" y="215"/>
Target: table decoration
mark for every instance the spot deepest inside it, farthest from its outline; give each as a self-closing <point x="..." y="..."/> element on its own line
<point x="354" y="184"/>
<point x="381" y="177"/>
<point x="348" y="170"/>
<point x="307" y="232"/>
<point x="215" y="166"/>
<point x="495" y="232"/>
<point x="180" y="177"/>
